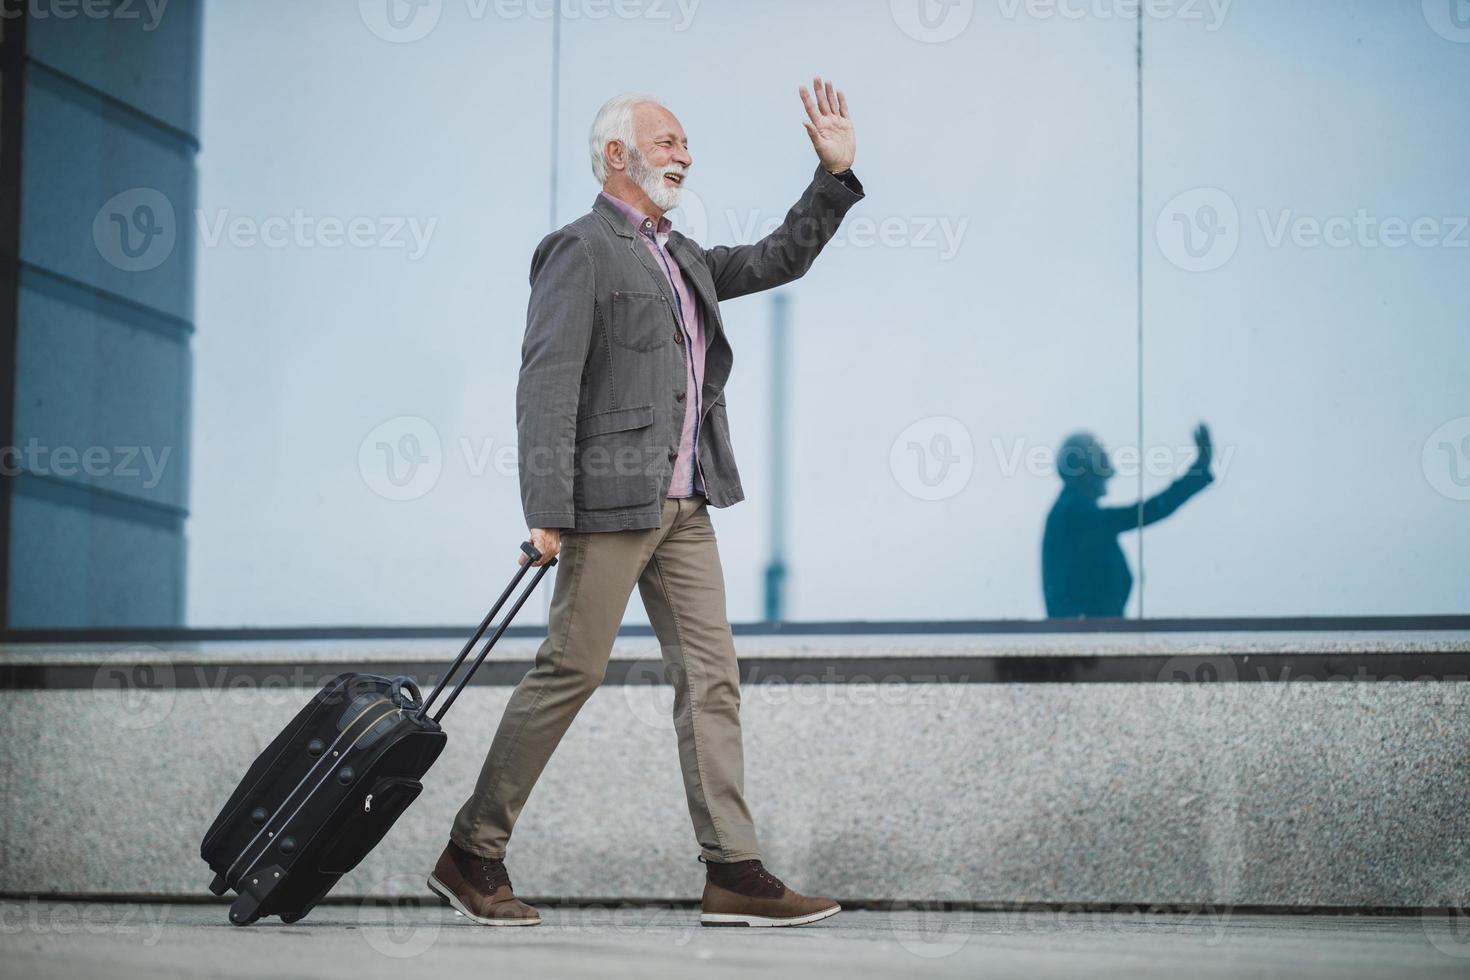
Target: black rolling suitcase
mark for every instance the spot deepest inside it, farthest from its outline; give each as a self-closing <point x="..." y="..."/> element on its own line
<point x="327" y="789"/>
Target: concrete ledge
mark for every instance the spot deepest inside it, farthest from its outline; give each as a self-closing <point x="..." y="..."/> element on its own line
<point x="1266" y="794"/>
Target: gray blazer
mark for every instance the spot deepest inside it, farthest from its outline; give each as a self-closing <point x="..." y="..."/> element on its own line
<point x="599" y="404"/>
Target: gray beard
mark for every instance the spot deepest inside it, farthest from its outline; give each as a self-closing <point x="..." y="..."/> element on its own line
<point x="651" y="181"/>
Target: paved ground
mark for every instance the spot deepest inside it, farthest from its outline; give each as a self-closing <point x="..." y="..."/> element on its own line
<point x="68" y="939"/>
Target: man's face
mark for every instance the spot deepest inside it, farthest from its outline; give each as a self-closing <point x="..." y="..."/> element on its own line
<point x="660" y="162"/>
<point x="660" y="138"/>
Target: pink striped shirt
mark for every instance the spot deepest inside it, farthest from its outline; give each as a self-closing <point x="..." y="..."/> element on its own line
<point x="688" y="480"/>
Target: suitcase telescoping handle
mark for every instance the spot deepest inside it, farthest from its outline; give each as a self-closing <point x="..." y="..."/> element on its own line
<point x="533" y="555"/>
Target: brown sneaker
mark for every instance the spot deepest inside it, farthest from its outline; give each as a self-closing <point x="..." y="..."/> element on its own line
<point x="478" y="888"/>
<point x="743" y="893"/>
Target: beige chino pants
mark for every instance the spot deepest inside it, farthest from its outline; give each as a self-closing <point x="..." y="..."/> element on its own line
<point x="677" y="570"/>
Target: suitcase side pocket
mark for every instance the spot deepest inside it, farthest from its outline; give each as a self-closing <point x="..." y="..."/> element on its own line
<point x="372" y="819"/>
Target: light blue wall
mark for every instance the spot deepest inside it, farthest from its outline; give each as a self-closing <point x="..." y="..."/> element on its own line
<point x="1323" y="372"/>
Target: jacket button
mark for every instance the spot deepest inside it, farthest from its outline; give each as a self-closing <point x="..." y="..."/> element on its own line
<point x="679" y="396"/>
<point x="673" y="455"/>
<point x="678" y="337"/>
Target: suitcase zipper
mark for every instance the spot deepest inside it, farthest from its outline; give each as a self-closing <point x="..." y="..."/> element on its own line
<point x="367" y="804"/>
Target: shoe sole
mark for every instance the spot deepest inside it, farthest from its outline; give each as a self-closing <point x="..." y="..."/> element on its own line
<point x="439" y="888"/>
<point x="729" y="919"/>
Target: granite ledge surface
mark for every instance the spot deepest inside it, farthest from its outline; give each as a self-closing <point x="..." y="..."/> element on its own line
<point x="351" y="651"/>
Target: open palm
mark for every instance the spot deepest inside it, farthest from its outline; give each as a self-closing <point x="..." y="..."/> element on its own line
<point x="829" y="125"/>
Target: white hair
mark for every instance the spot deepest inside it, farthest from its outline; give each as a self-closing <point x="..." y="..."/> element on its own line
<point x="614" y="121"/>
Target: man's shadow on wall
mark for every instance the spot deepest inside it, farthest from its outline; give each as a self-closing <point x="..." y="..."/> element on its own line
<point x="1083" y="569"/>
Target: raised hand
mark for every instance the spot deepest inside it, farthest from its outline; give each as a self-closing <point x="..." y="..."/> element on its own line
<point x="829" y="125"/>
<point x="1205" y="447"/>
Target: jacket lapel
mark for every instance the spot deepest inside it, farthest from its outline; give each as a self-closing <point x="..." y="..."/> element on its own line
<point x="683" y="251"/>
<point x="619" y="223"/>
<point x="697" y="274"/>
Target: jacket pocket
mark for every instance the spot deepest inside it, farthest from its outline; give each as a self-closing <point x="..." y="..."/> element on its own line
<point x="641" y="321"/>
<point x="616" y="459"/>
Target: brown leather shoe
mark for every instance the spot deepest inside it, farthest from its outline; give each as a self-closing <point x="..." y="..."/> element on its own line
<point x="743" y="893"/>
<point x="478" y="888"/>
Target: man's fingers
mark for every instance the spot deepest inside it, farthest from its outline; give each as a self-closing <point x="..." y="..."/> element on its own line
<point x="821" y="95"/>
<point x="810" y="131"/>
<point x="832" y="100"/>
<point x="842" y="104"/>
<point x="811" y="108"/>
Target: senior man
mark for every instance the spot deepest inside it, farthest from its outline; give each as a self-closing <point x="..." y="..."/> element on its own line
<point x="623" y="447"/>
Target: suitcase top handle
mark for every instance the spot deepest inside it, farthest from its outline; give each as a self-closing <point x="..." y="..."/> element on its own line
<point x="533" y="556"/>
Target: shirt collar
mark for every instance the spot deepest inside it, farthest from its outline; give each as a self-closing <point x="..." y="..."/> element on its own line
<point x="641" y="222"/>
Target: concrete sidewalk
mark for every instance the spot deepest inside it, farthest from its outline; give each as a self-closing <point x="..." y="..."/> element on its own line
<point x="45" y="939"/>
